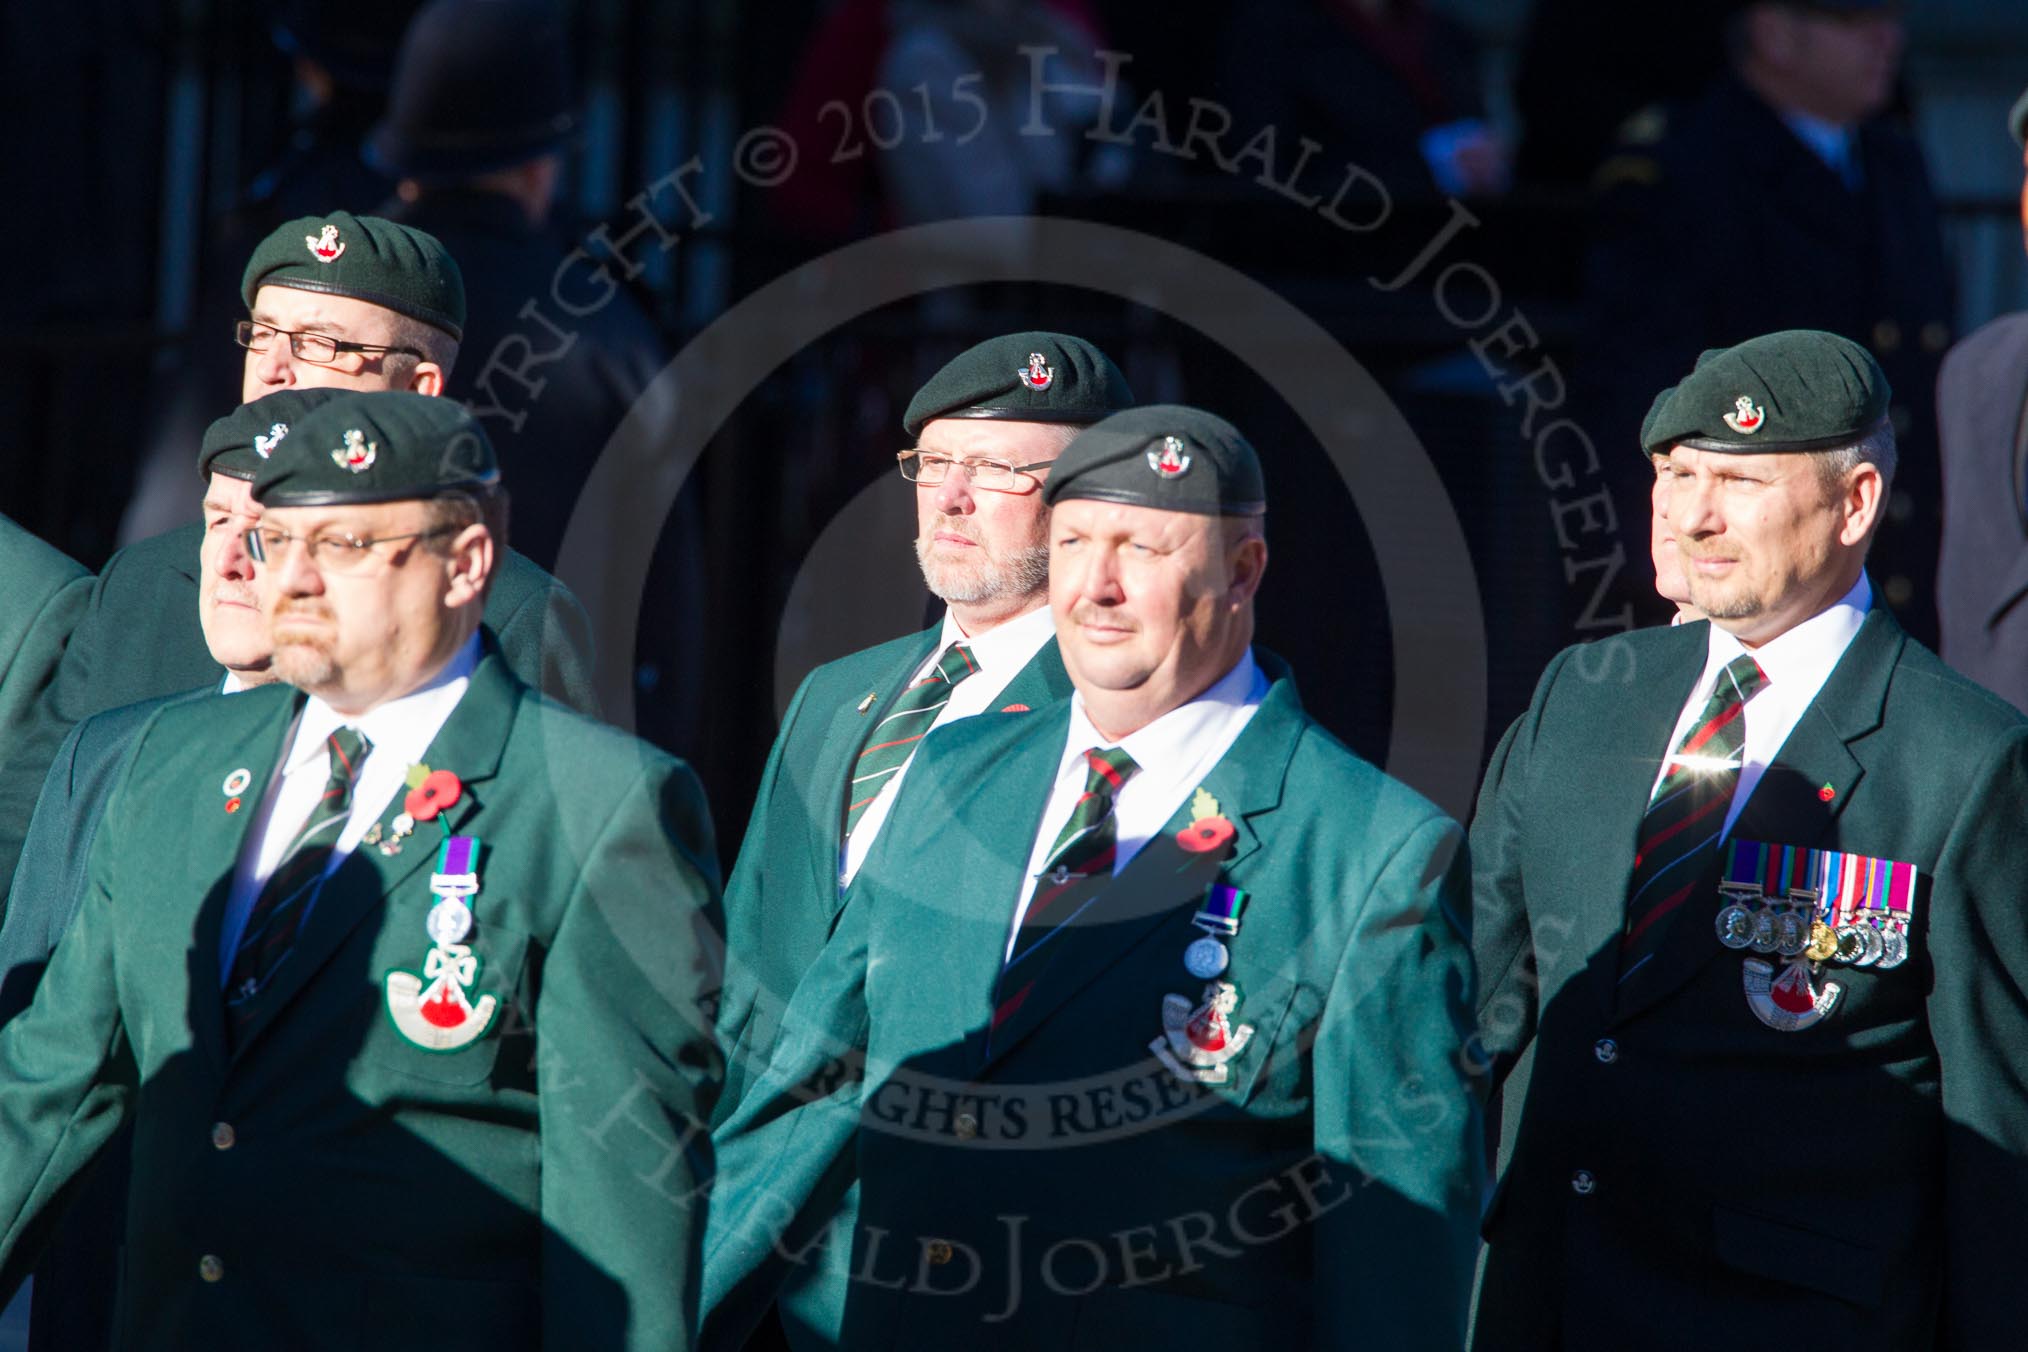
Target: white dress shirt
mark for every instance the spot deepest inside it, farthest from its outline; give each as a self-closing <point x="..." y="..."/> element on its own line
<point x="400" y="730"/>
<point x="1174" y="753"/>
<point x="1796" y="665"/>
<point x="1000" y="653"/>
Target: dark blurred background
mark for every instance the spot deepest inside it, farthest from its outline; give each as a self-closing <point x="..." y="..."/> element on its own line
<point x="1637" y="196"/>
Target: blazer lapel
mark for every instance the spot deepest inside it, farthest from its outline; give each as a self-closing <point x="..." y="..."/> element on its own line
<point x="1247" y="781"/>
<point x="1788" y="806"/>
<point x="217" y="839"/>
<point x="469" y="745"/>
<point x="1633" y="735"/>
<point x="832" y="776"/>
<point x="1042" y="682"/>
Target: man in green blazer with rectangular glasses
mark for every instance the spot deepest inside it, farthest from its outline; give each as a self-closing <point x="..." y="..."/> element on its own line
<point x="397" y="973"/>
<point x="1144" y="1022"/>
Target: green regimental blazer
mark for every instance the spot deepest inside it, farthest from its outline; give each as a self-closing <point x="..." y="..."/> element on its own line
<point x="1325" y="1194"/>
<point x="46" y="594"/>
<point x="1863" y="1180"/>
<point x="782" y="898"/>
<point x="323" y="1182"/>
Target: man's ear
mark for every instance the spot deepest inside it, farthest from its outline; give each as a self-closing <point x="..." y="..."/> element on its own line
<point x="1246" y="564"/>
<point x="427" y="378"/>
<point x="1863" y="500"/>
<point x="471" y="560"/>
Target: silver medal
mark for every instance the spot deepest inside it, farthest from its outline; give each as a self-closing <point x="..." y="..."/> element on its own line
<point x="1763" y="932"/>
<point x="1735" y="926"/>
<point x="1791" y="934"/>
<point x="1205" y="958"/>
<point x="1875" y="946"/>
<point x="1893" y="947"/>
<point x="1850" y="946"/>
<point x="449" y="921"/>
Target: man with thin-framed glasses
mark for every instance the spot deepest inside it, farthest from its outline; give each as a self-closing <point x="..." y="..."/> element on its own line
<point x="984" y="431"/>
<point x="396" y="938"/>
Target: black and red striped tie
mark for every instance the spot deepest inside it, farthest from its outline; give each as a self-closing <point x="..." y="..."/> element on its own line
<point x="1080" y="865"/>
<point x="1686" y="815"/>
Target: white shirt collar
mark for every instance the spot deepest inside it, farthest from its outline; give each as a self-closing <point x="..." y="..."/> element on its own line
<point x="396" y="725"/>
<point x="1005" y="647"/>
<point x="1171" y="744"/>
<point x="1806" y="653"/>
<point x="232" y="684"/>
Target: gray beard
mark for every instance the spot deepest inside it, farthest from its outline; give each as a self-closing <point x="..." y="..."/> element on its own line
<point x="1026" y="572"/>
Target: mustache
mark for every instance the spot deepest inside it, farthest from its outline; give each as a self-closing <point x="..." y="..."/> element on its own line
<point x="309" y="609"/>
<point x="236" y="594"/>
<point x="956" y="525"/>
<point x="1084" y="612"/>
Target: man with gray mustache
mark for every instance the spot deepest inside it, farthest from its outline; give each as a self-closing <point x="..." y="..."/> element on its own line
<point x="983" y="432"/>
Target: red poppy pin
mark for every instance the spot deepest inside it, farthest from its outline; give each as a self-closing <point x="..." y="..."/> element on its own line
<point x="1209" y="829"/>
<point x="1015" y="709"/>
<point x="1827" y="793"/>
<point x="439" y="789"/>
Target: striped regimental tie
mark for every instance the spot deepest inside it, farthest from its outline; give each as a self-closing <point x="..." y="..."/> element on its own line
<point x="277" y="913"/>
<point x="893" y="739"/>
<point x="1079" y="868"/>
<point x="1687" y="813"/>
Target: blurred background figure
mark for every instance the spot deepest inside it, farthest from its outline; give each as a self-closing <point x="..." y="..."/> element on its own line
<point x="1391" y="85"/>
<point x="1586" y="66"/>
<point x="1787" y="195"/>
<point x="339" y="58"/>
<point x="1982" y="422"/>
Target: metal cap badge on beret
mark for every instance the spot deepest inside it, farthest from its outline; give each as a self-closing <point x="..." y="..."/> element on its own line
<point x="238" y="444"/>
<point x="1031" y="377"/>
<point x="1166" y="456"/>
<point x="480" y="85"/>
<point x="378" y="261"/>
<point x="1797" y="390"/>
<point x="378" y="446"/>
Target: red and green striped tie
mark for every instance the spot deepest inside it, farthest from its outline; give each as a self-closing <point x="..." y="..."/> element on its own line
<point x="892" y="740"/>
<point x="277" y="912"/>
<point x="1080" y="865"/>
<point x="1686" y="815"/>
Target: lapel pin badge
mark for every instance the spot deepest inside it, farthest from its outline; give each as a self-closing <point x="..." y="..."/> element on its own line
<point x="867" y="703"/>
<point x="1827" y="793"/>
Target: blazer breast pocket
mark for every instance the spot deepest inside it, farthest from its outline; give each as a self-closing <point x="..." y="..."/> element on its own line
<point x="444" y="1012"/>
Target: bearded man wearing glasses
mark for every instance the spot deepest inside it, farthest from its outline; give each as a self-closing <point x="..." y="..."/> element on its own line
<point x="985" y="430"/>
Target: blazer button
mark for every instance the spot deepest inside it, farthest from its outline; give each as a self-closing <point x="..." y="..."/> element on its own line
<point x="1606" y="1050"/>
<point x="966" y="1126"/>
<point x="223" y="1136"/>
<point x="938" y="1252"/>
<point x="1582" y="1183"/>
<point x="210" y="1268"/>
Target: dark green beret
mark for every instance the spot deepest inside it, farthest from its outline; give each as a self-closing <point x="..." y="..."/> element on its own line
<point x="1030" y="377"/>
<point x="1165" y="456"/>
<point x="238" y="444"/>
<point x="2017" y="120"/>
<point x="378" y="446"/>
<point x="394" y="266"/>
<point x="1797" y="390"/>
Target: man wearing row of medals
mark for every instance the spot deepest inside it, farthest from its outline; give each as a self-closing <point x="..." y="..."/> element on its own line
<point x="1748" y="919"/>
<point x="1144" y="1023"/>
<point x="394" y="965"/>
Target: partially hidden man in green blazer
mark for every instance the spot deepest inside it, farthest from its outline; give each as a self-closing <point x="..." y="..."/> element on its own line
<point x="1151" y="1030"/>
<point x="397" y="978"/>
<point x="46" y="594"/>
<point x="987" y="427"/>
<point x="384" y="311"/>
<point x="1748" y="918"/>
